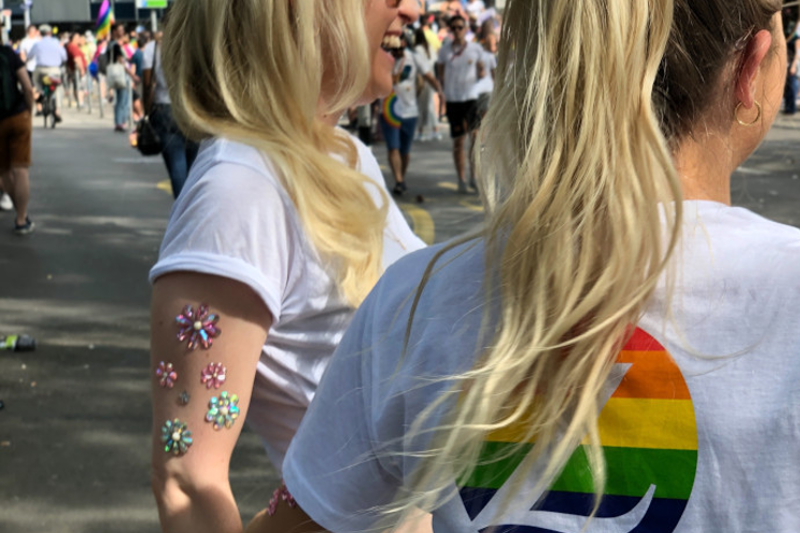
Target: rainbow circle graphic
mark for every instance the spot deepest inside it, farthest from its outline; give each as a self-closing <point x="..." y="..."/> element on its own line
<point x="389" y="111"/>
<point x="649" y="437"/>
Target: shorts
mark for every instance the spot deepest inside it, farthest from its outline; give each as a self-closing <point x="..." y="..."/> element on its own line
<point x="15" y="141"/>
<point x="399" y="138"/>
<point x="463" y="117"/>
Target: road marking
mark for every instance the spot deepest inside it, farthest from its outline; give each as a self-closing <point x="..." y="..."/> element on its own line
<point x="447" y="185"/>
<point x="422" y="223"/>
<point x="472" y="205"/>
<point x="165" y="186"/>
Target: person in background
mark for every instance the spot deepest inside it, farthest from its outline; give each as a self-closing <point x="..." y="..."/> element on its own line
<point x="16" y="105"/>
<point x="178" y="152"/>
<point x="400" y="110"/>
<point x="460" y="67"/>
<point x="76" y="68"/>
<point x="791" y="21"/>
<point x="116" y="54"/>
<point x="428" y="123"/>
<point x="31" y="38"/>
<point x="616" y="306"/>
<point x="282" y="228"/>
<point x="49" y="56"/>
<point x="136" y="59"/>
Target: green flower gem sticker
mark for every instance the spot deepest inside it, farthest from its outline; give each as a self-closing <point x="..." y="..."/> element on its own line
<point x="176" y="437"/>
<point x="223" y="410"/>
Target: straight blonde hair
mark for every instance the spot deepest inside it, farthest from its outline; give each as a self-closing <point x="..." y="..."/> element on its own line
<point x="255" y="71"/>
<point x="584" y="209"/>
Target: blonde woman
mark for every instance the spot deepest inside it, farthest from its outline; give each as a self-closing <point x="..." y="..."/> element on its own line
<point x="618" y="350"/>
<point x="282" y="228"/>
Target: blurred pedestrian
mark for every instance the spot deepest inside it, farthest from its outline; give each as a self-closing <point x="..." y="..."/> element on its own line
<point x="428" y="123"/>
<point x="401" y="111"/>
<point x="460" y="67"/>
<point x="791" y="24"/>
<point x="76" y="69"/>
<point x="16" y="105"/>
<point x="178" y="152"/>
<point x="50" y="56"/>
<point x="121" y="74"/>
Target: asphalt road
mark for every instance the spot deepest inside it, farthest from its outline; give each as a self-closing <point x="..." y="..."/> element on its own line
<point x="74" y="430"/>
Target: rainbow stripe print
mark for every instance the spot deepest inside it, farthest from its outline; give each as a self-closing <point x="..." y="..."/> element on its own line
<point x="649" y="437"/>
<point x="389" y="111"/>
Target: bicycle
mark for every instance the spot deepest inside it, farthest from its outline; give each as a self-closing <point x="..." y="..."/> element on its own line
<point x="49" y="86"/>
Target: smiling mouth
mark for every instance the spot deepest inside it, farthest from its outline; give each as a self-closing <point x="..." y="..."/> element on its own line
<point x="391" y="43"/>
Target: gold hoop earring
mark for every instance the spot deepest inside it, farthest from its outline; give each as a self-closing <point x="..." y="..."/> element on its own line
<point x="740" y="121"/>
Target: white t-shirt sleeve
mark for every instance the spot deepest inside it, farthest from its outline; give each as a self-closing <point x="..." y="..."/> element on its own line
<point x="334" y="470"/>
<point x="423" y="67"/>
<point x="233" y="222"/>
<point x="148" y="56"/>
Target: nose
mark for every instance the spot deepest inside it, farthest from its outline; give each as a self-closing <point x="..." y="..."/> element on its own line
<point x="409" y="10"/>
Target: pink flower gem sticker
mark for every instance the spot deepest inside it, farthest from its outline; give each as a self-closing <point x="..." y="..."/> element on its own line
<point x="199" y="327"/>
<point x="213" y="375"/>
<point x="166" y="375"/>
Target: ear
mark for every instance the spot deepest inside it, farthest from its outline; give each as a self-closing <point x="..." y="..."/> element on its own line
<point x="752" y="59"/>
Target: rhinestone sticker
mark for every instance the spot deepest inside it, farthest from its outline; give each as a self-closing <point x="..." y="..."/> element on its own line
<point x="223" y="410"/>
<point x="213" y="375"/>
<point x="176" y="437"/>
<point x="199" y="327"/>
<point x="184" y="398"/>
<point x="166" y="375"/>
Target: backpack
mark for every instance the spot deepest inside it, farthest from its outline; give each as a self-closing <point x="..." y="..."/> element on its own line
<point x="9" y="93"/>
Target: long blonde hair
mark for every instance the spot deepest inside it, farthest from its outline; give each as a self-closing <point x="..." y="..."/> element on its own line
<point x="253" y="71"/>
<point x="584" y="207"/>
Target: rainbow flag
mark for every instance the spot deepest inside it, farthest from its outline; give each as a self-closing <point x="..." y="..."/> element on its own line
<point x="105" y="19"/>
<point x="649" y="437"/>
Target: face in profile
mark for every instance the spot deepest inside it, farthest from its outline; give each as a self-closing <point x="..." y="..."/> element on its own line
<point x="385" y="20"/>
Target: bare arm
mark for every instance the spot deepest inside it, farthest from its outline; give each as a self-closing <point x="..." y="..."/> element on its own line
<point x="793" y="66"/>
<point x="192" y="490"/>
<point x="27" y="88"/>
<point x="147" y="80"/>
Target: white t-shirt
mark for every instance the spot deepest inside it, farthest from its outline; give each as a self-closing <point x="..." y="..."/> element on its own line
<point x="460" y="70"/>
<point x="411" y="65"/>
<point x="234" y="219"/>
<point x="485" y="85"/>
<point x="26" y="46"/>
<point x="692" y="443"/>
<point x="161" y="95"/>
<point x="475" y="8"/>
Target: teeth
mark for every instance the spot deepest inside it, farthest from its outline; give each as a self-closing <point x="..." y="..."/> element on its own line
<point x="391" y="42"/>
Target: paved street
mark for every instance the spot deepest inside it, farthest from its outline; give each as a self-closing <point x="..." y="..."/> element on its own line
<point x="74" y="443"/>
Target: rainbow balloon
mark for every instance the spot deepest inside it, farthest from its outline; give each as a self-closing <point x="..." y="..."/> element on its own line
<point x="105" y="19"/>
<point x="390" y="111"/>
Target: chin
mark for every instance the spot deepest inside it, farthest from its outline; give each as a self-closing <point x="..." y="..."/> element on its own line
<point x="374" y="91"/>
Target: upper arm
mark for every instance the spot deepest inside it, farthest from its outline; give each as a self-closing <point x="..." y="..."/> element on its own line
<point x="244" y="321"/>
<point x="24" y="80"/>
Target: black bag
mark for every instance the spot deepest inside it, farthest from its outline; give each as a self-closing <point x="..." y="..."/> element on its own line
<point x="147" y="140"/>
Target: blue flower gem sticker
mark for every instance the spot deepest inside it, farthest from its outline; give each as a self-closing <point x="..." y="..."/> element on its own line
<point x="223" y="410"/>
<point x="176" y="437"/>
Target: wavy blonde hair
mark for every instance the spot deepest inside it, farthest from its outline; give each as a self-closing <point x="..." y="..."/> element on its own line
<point x="584" y="207"/>
<point x="254" y="71"/>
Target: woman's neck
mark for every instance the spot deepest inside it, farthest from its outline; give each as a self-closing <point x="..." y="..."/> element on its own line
<point x="705" y="168"/>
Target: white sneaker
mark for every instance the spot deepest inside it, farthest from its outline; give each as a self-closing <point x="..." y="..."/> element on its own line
<point x="5" y="203"/>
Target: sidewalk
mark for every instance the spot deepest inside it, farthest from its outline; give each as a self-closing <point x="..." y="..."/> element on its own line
<point x="74" y="432"/>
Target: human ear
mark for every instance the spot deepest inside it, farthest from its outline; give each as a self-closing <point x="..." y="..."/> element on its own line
<point x="752" y="59"/>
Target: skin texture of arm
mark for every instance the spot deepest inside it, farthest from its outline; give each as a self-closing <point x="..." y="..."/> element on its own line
<point x="27" y="88"/>
<point x="192" y="490"/>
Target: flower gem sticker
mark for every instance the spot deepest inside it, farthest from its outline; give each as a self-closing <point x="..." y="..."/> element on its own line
<point x="199" y="326"/>
<point x="166" y="375"/>
<point x="176" y="437"/>
<point x="213" y="375"/>
<point x="223" y="410"/>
